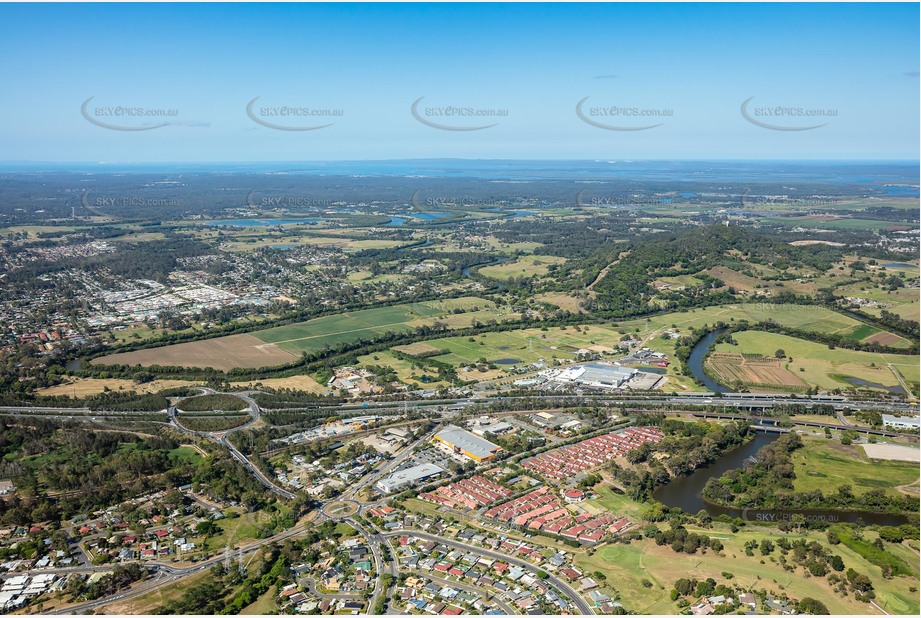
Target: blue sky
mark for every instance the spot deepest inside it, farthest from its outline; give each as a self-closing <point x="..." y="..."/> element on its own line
<point x="688" y="68"/>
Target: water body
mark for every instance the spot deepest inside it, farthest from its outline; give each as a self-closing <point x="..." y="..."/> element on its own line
<point x="468" y="271"/>
<point x="685" y="492"/>
<point x="431" y="216"/>
<point x="261" y="222"/>
<point x="898" y="265"/>
<point x="696" y="362"/>
<point x="73" y="365"/>
<point x="895" y="390"/>
<point x="507" y="361"/>
<point x="395" y="222"/>
<point x="901" y="191"/>
<point x="282" y="247"/>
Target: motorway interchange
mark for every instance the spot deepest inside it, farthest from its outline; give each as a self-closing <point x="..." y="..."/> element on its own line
<point x="347" y="507"/>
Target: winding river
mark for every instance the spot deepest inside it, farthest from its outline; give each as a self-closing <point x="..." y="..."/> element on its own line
<point x="696" y="361"/>
<point x="685" y="492"/>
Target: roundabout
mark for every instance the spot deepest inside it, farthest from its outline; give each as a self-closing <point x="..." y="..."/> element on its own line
<point x="341" y="509"/>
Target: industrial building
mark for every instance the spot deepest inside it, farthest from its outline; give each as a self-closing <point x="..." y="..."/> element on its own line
<point x="402" y="478"/>
<point x="901" y="422"/>
<point x="497" y="429"/>
<point x="465" y="443"/>
<point x="597" y="375"/>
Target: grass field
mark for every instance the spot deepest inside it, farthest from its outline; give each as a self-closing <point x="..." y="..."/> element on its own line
<point x="526" y="345"/>
<point x="826" y="464"/>
<point x="283" y="344"/>
<point x="805" y="317"/>
<point x="525" y="266"/>
<point x="185" y="453"/>
<point x="314" y="335"/>
<point x="403" y="368"/>
<point x="561" y="300"/>
<point x="824" y="367"/>
<point x="146" y="604"/>
<point x="262" y="606"/>
<point x="625" y="566"/>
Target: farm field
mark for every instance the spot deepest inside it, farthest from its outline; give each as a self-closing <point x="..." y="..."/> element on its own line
<point x="314" y="335"/>
<point x="823" y="367"/>
<point x="826" y="464"/>
<point x="222" y="353"/>
<point x="758" y="371"/>
<point x="525" y="266"/>
<point x="625" y="566"/>
<point x="283" y="344"/>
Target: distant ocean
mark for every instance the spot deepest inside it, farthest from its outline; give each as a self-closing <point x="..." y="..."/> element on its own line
<point x="864" y="172"/>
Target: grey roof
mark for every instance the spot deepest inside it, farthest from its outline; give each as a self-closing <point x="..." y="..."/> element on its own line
<point x="460" y="438"/>
<point x="416" y="473"/>
<point x="596" y="372"/>
<point x="903" y="420"/>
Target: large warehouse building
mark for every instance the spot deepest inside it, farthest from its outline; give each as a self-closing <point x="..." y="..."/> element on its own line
<point x="597" y="375"/>
<point x="402" y="478"/>
<point x="467" y="444"/>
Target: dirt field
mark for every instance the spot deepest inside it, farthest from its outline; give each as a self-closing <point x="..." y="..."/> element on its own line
<point x="884" y="339"/>
<point x="895" y="452"/>
<point x="301" y="383"/>
<point x="84" y="387"/>
<point x="222" y="353"/>
<point x="759" y="371"/>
